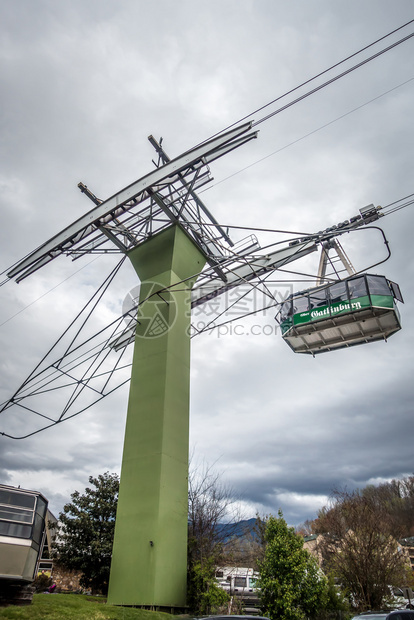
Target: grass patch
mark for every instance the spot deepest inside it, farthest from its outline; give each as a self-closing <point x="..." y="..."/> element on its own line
<point x="76" y="607"/>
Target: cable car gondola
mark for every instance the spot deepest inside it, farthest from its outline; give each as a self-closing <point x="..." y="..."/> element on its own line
<point x="22" y="533"/>
<point x="355" y="310"/>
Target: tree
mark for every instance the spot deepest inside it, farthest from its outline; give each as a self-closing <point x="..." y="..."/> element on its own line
<point x="397" y="498"/>
<point x="87" y="530"/>
<point x="306" y="528"/>
<point x="358" y="546"/>
<point x="210" y="503"/>
<point x="204" y="595"/>
<point x="291" y="582"/>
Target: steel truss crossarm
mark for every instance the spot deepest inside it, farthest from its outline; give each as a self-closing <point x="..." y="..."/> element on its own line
<point x="124" y="199"/>
<point x="250" y="270"/>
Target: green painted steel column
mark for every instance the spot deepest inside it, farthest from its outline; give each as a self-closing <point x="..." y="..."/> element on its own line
<point x="149" y="560"/>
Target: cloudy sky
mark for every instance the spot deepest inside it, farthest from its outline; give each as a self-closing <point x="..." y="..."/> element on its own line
<point x="82" y="86"/>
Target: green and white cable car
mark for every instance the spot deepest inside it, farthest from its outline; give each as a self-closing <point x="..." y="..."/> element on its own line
<point x="355" y="310"/>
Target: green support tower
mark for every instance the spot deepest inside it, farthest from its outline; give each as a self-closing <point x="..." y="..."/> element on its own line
<point x="149" y="560"/>
<point x="168" y="233"/>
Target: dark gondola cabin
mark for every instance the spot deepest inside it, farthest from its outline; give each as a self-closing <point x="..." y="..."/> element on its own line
<point x="356" y="310"/>
<point x="22" y="531"/>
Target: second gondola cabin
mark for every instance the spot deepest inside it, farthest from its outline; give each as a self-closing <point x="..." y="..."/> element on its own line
<point x="352" y="311"/>
<point x="22" y="534"/>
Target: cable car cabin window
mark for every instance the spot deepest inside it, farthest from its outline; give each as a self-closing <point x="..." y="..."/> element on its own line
<point x="300" y="304"/>
<point x="286" y="310"/>
<point x="318" y="298"/>
<point x="41" y="507"/>
<point x="15" y="530"/>
<point x="20" y="515"/>
<point x="13" y="498"/>
<point x="240" y="582"/>
<point x="396" y="291"/>
<point x="38" y="529"/>
<point x="357" y="288"/>
<point x="378" y="285"/>
<point x="337" y="292"/>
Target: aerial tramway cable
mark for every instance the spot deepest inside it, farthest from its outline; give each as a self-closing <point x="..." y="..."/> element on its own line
<point x="334" y="66"/>
<point x="257" y="275"/>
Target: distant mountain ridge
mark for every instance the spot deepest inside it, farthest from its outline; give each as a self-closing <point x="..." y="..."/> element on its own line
<point x="237" y="530"/>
